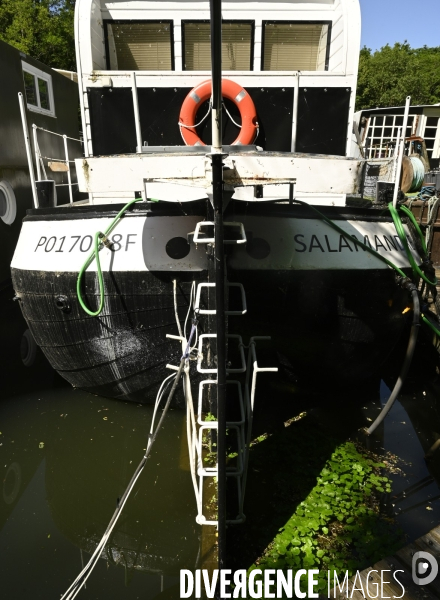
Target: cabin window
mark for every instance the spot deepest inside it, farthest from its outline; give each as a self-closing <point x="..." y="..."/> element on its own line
<point x="295" y="46"/>
<point x="139" y="46"/>
<point x="38" y="90"/>
<point x="430" y="134"/>
<point x="382" y="132"/>
<point x="237" y="45"/>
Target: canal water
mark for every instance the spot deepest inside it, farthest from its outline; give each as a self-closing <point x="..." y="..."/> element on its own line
<point x="66" y="458"/>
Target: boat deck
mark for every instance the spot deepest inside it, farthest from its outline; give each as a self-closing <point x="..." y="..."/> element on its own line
<point x="401" y="560"/>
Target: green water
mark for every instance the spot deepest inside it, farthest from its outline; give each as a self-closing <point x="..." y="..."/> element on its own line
<point x="66" y="457"/>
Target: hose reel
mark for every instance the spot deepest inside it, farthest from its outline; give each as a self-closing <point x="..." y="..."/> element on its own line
<point x="413" y="174"/>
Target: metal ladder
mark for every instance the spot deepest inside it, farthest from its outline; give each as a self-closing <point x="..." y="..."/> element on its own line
<point x="241" y="427"/>
<point x="199" y="426"/>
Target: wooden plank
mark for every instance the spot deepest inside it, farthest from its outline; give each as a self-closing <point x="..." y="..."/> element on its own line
<point x="342" y="595"/>
<point x="412" y="591"/>
<point x="58" y="167"/>
<point x="405" y="555"/>
<point x="370" y="580"/>
<point x="429" y="543"/>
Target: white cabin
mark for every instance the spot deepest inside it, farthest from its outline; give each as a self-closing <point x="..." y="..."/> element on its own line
<point x="138" y="60"/>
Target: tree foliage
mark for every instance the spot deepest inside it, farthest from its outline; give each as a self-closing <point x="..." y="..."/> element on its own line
<point x="389" y="75"/>
<point x="42" y="29"/>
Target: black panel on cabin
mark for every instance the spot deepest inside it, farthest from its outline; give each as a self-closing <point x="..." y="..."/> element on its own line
<point x="274" y="110"/>
<point x="112" y="118"/>
<point x="159" y="110"/>
<point x="322" y="120"/>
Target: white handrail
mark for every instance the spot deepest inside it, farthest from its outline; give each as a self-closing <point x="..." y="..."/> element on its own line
<point x="295" y="111"/>
<point x="401" y="150"/>
<point x="68" y="168"/>
<point x="27" y="143"/>
<point x="137" y="119"/>
<point x="66" y="161"/>
<point x="37" y="157"/>
<point x="58" y="134"/>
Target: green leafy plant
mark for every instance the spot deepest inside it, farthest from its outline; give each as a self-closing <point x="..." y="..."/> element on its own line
<point x="338" y="527"/>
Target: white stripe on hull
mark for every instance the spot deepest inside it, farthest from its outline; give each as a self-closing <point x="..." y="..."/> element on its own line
<point x="139" y="244"/>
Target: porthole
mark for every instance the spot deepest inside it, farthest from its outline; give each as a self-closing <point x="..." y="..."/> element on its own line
<point x="177" y="248"/>
<point x="8" y="204"/>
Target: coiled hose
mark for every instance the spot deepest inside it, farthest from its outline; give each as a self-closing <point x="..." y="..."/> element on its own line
<point x="99" y="238"/>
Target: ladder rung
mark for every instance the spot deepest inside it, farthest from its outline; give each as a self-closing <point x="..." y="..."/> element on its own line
<point x="242" y="369"/>
<point x="213" y="471"/>
<point x="205" y="240"/>
<point x="233" y="382"/>
<point x="202" y="311"/>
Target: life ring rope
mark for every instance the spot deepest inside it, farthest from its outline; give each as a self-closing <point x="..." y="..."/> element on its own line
<point x="201" y="121"/>
<point x="229" y="115"/>
<point x="232" y="91"/>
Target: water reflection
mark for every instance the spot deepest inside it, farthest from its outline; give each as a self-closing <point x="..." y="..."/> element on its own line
<point x="411" y="429"/>
<point x="285" y="459"/>
<point x="66" y="457"/>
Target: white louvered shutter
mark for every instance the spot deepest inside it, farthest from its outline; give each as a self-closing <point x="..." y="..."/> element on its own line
<point x="140" y="46"/>
<point x="295" y="46"/>
<point x="236" y="46"/>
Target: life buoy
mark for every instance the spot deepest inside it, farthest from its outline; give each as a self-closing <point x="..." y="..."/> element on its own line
<point x="230" y="90"/>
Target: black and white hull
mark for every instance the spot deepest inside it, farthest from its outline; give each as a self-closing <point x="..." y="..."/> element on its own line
<point x="326" y="302"/>
<point x="123" y="352"/>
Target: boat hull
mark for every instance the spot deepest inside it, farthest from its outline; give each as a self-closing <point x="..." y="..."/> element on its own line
<point x="330" y="308"/>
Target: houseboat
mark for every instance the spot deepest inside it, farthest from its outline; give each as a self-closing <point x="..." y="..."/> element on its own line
<point x="378" y="128"/>
<point x="49" y="108"/>
<point x="50" y="103"/>
<point x="379" y="132"/>
<point x="302" y="247"/>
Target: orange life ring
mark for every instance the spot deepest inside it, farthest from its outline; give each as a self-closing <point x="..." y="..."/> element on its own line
<point x="230" y="90"/>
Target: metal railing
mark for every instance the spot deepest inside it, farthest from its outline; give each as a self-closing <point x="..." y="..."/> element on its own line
<point x="39" y="158"/>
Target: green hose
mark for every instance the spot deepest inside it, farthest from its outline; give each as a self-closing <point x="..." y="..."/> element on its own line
<point x="416" y="225"/>
<point x="95" y="254"/>
<point x="402" y="236"/>
<point x="430" y="325"/>
<point x="397" y="222"/>
<point x="353" y="239"/>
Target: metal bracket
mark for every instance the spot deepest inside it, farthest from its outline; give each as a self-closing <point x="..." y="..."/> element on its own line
<point x="205" y="240"/>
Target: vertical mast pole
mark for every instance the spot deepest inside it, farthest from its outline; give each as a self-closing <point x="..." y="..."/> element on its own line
<point x="217" y="199"/>
<point x="216" y="67"/>
<point x="401" y="151"/>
